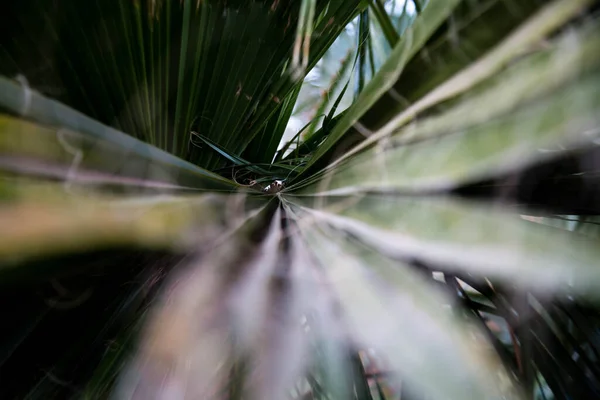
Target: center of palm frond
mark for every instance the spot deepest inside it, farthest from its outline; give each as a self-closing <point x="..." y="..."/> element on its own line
<point x="266" y="178"/>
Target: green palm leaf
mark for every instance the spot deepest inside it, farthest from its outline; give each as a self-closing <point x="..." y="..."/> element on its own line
<point x="154" y="243"/>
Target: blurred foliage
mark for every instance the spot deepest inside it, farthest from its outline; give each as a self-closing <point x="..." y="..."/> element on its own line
<point x="427" y="230"/>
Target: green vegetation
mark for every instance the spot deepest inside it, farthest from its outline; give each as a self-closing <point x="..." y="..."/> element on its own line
<point x="300" y="199"/>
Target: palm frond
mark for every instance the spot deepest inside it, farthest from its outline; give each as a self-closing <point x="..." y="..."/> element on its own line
<point x="430" y="232"/>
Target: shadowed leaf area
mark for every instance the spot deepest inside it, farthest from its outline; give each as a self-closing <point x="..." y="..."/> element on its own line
<point x="311" y="199"/>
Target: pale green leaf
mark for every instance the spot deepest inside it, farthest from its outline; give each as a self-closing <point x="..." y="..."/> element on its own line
<point x="545" y="21"/>
<point x="98" y="155"/>
<point x="461" y="236"/>
<point x="42" y="222"/>
<point x="566" y="120"/>
<point x="412" y="40"/>
<point x="395" y="312"/>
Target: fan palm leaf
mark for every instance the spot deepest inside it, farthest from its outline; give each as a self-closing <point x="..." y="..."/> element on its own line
<point x="417" y="243"/>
